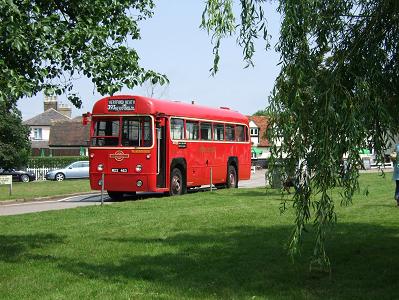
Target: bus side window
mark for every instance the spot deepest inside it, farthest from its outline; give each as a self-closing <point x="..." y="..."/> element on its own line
<point x="192" y="130"/>
<point x="218" y="132"/>
<point x="240" y="133"/>
<point x="177" y="129"/>
<point x="206" y="131"/>
<point x="230" y="134"/>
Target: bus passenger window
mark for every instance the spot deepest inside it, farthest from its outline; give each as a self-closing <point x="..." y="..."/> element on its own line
<point x="218" y="132"/>
<point x="240" y="133"/>
<point x="177" y="129"/>
<point x="230" y="136"/>
<point x="206" y="131"/>
<point x="192" y="130"/>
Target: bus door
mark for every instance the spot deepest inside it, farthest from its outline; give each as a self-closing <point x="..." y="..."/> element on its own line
<point x="161" y="151"/>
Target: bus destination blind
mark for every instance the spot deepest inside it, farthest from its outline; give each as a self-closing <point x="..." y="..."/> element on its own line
<point x="121" y="104"/>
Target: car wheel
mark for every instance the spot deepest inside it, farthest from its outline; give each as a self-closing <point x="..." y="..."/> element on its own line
<point x="59" y="177"/>
<point x="24" y="178"/>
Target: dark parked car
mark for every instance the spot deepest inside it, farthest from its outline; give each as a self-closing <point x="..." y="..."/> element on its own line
<point x="17" y="175"/>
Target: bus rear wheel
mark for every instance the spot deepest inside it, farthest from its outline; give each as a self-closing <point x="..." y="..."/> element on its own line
<point x="176" y="183"/>
<point x="115" y="196"/>
<point x="232" y="181"/>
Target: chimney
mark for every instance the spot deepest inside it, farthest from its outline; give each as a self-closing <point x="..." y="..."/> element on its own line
<point x="65" y="109"/>
<point x="50" y="102"/>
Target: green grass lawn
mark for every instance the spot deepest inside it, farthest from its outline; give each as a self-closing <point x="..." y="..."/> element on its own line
<point x="228" y="244"/>
<point x="29" y="190"/>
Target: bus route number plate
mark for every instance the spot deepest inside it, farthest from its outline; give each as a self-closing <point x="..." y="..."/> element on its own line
<point x="121" y="104"/>
<point x="119" y="170"/>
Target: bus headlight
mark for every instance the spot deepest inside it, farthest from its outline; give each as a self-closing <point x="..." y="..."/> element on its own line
<point x="139" y="168"/>
<point x="139" y="183"/>
<point x="100" y="167"/>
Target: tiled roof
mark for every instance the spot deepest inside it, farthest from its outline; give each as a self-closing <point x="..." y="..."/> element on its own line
<point x="262" y="122"/>
<point x="46" y="118"/>
<point x="39" y="144"/>
<point x="69" y="134"/>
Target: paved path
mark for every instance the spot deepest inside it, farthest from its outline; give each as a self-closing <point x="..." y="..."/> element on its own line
<point x="36" y="206"/>
<point x="257" y="180"/>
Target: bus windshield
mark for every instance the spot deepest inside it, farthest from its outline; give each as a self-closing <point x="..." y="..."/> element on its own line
<point x="106" y="132"/>
<point x="136" y="131"/>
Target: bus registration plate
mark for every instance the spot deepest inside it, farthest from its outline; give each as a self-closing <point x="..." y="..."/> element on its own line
<point x="119" y="170"/>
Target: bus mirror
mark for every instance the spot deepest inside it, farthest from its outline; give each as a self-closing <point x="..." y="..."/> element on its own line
<point x="86" y="118"/>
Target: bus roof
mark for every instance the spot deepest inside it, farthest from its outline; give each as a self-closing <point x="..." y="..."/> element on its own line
<point x="150" y="106"/>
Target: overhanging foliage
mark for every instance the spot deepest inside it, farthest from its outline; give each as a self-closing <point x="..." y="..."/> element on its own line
<point x="45" y="45"/>
<point x="337" y="92"/>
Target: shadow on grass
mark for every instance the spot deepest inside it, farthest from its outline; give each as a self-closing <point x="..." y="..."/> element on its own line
<point x="276" y="194"/>
<point x="14" y="248"/>
<point x="251" y="261"/>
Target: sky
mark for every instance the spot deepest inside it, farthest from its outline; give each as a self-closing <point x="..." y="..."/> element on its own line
<point x="173" y="44"/>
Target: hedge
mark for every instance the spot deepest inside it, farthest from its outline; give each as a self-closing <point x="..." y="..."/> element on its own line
<point x="53" y="162"/>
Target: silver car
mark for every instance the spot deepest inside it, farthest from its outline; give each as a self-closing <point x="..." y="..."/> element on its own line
<point x="79" y="169"/>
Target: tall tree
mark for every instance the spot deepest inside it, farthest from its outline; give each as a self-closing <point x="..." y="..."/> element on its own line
<point x="45" y="45"/>
<point x="14" y="143"/>
<point x="337" y="92"/>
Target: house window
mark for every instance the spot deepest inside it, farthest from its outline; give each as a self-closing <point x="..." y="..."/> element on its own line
<point x="37" y="134"/>
<point x="254" y="131"/>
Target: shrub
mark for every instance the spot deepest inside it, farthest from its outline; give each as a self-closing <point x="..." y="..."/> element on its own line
<point x="53" y="162"/>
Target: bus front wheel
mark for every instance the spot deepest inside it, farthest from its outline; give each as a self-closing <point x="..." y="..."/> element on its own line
<point x="232" y="181"/>
<point x="176" y="183"/>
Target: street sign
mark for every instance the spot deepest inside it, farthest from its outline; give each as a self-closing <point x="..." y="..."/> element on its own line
<point x="6" y="179"/>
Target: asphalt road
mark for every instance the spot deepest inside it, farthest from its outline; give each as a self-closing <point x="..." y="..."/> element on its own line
<point x="257" y="180"/>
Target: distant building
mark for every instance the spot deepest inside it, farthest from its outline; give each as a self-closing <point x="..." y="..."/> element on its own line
<point x="69" y="138"/>
<point x="260" y="150"/>
<point x="40" y="125"/>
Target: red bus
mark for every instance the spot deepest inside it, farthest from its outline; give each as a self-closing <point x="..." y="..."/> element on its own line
<point x="149" y="145"/>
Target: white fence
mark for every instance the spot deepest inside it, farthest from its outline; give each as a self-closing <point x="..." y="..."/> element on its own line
<point x="40" y="172"/>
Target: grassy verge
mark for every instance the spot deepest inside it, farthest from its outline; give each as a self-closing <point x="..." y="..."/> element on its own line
<point x="227" y="244"/>
<point x="30" y="190"/>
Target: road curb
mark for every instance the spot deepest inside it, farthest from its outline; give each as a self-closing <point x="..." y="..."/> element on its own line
<point x="54" y="197"/>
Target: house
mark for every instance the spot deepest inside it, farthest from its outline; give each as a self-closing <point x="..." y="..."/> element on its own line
<point x="69" y="138"/>
<point x="40" y="125"/>
<point x="260" y="149"/>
